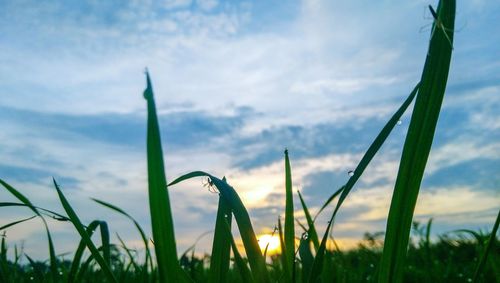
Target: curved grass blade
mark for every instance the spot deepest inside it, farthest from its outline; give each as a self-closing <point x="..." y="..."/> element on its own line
<point x="344" y="190"/>
<point x="159" y="202"/>
<point x="312" y="234"/>
<point x="289" y="218"/>
<point x="77" y="258"/>
<point x="487" y="249"/>
<point x="370" y="153"/>
<point x="106" y="249"/>
<point x="16" y="222"/>
<point x="221" y="246"/>
<point x="148" y="262"/>
<point x="418" y="144"/>
<point x="52" y="253"/>
<point x="46" y="212"/>
<point x="254" y="254"/>
<point x="329" y="200"/>
<point x="85" y="236"/>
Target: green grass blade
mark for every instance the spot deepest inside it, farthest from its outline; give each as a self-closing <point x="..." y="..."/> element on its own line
<point x="77" y="258"/>
<point x="49" y="213"/>
<point x="306" y="255"/>
<point x="52" y="253"/>
<point x="344" y="190"/>
<point x="38" y="273"/>
<point x="129" y="254"/>
<point x="16" y="222"/>
<point x="311" y="231"/>
<point x="221" y="247"/>
<point x="254" y="254"/>
<point x="284" y="258"/>
<point x="105" y="242"/>
<point x="84" y="235"/>
<point x="418" y="144"/>
<point x="246" y="275"/>
<point x="329" y="200"/>
<point x="159" y="202"/>
<point x="289" y="218"/>
<point x="370" y="153"/>
<point x="4" y="267"/>
<point x="489" y="247"/>
<point x="148" y="261"/>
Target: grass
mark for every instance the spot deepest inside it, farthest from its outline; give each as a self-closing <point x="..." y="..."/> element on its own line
<point x="453" y="258"/>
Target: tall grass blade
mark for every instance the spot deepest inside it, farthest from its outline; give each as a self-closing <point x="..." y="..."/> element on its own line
<point x="106" y="269"/>
<point x="221" y="247"/>
<point x="418" y="143"/>
<point x="289" y="218"/>
<point x="52" y="253"/>
<point x="254" y="254"/>
<point x="312" y="234"/>
<point x="159" y="202"/>
<point x="489" y="247"/>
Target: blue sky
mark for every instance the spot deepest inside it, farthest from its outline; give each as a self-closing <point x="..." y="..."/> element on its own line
<point x="235" y="83"/>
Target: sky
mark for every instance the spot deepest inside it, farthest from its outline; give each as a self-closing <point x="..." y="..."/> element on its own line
<point x="237" y="82"/>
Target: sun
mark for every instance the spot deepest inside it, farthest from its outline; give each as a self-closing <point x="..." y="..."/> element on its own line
<point x="271" y="241"/>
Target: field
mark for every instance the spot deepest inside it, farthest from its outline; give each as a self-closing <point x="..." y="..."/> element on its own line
<point x="404" y="252"/>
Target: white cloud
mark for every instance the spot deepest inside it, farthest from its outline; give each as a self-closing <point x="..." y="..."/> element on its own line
<point x="171" y="4"/>
<point x="207" y="5"/>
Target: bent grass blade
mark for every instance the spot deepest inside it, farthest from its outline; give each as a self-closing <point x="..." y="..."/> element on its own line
<point x="84" y="235"/>
<point x="25" y="201"/>
<point x="148" y="262"/>
<point x="254" y="254"/>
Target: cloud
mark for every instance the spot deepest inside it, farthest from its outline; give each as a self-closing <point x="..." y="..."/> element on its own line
<point x="235" y="83"/>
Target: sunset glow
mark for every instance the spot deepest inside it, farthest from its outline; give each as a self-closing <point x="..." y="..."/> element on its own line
<point x="271" y="241"/>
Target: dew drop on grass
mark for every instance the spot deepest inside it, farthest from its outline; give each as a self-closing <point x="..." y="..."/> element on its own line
<point x="31" y="278"/>
<point x="469" y="279"/>
<point x="305" y="235"/>
<point x="372" y="265"/>
<point x="399" y="122"/>
<point x="460" y="275"/>
<point x="350" y="173"/>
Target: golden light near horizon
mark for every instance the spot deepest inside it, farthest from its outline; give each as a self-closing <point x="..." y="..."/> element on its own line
<point x="272" y="242"/>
